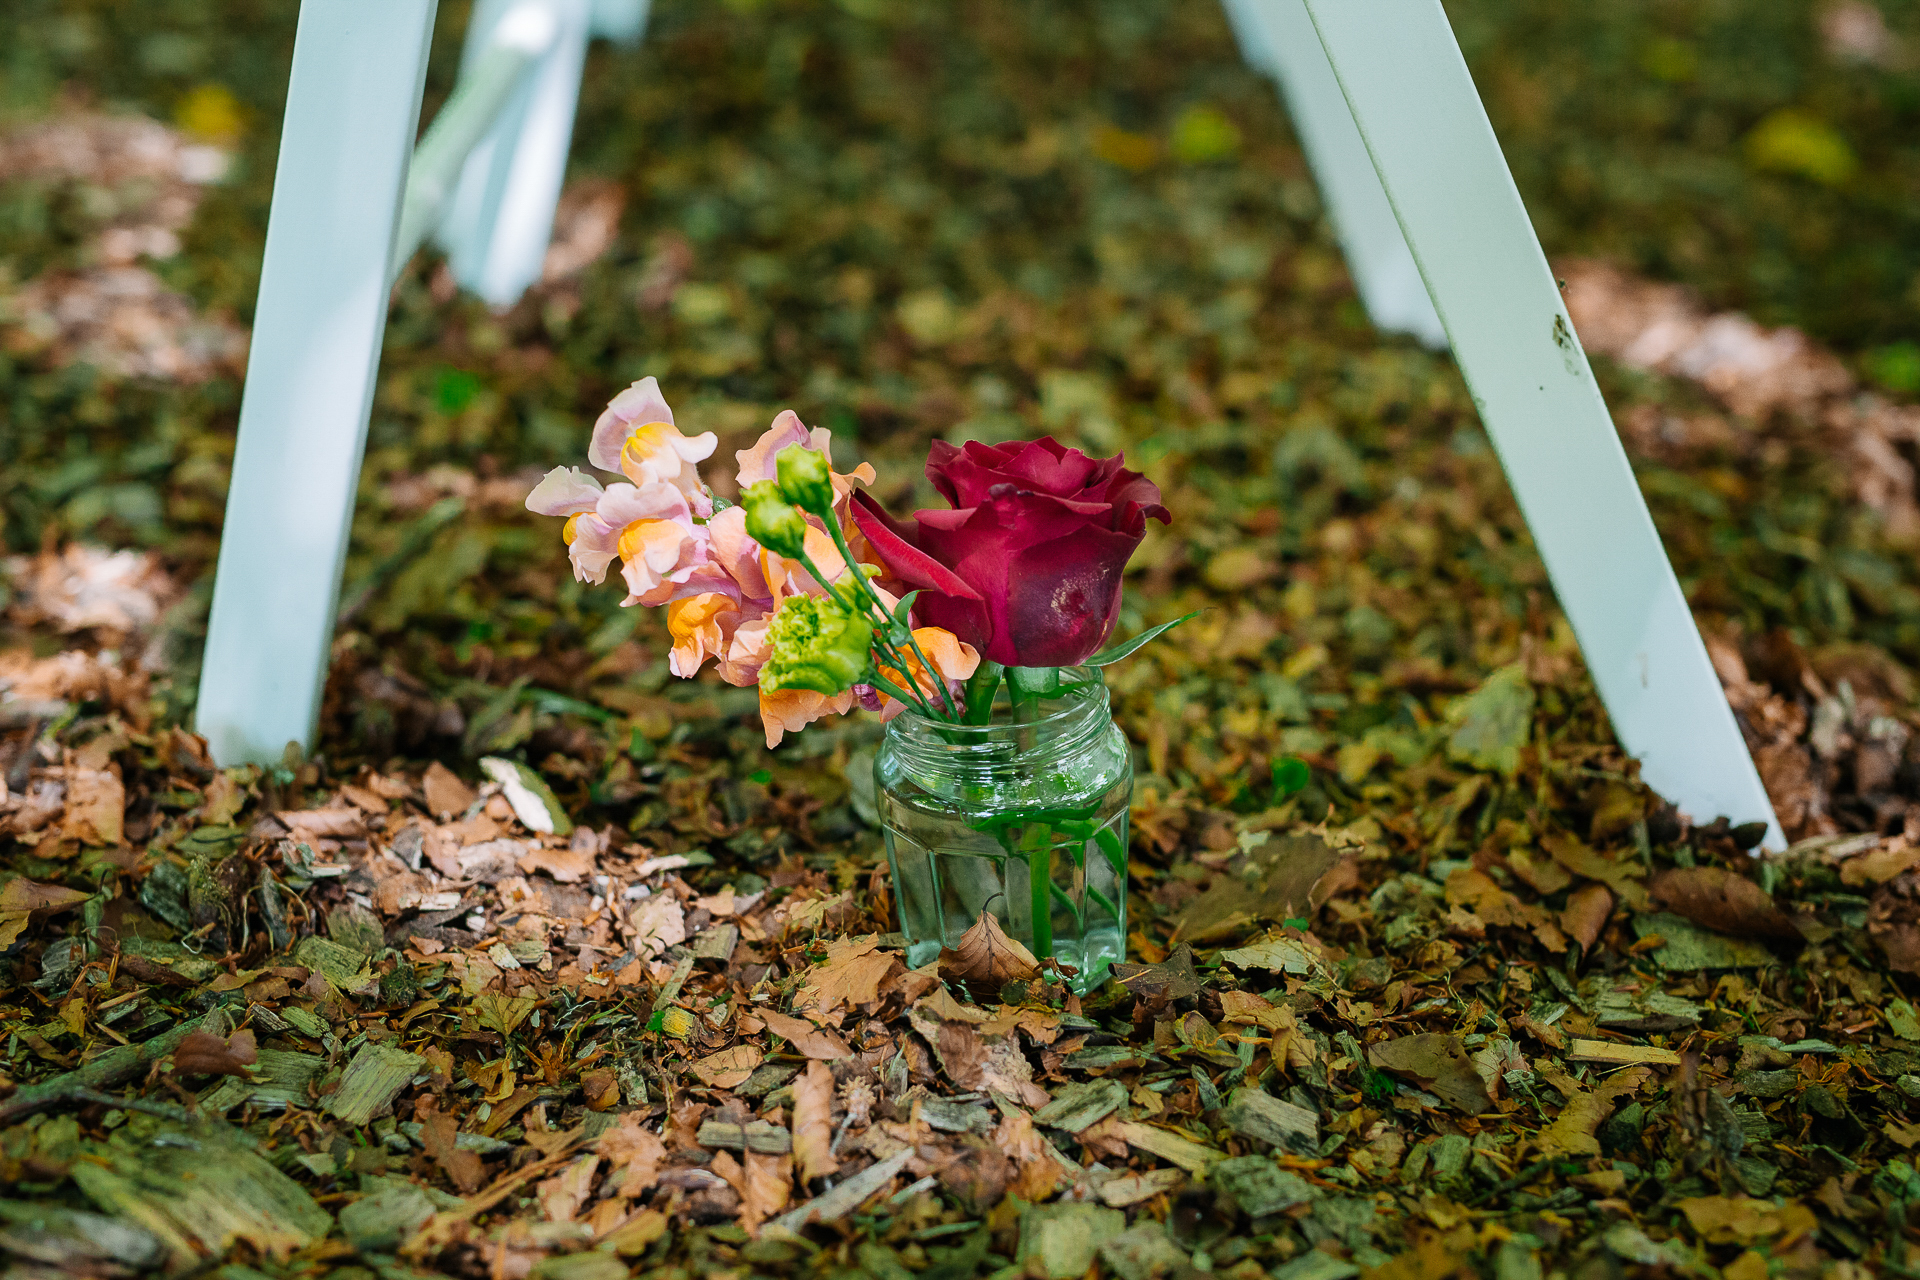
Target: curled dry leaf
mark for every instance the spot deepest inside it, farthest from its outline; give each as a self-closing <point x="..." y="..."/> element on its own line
<point x="202" y="1053"/>
<point x="446" y="794"/>
<point x="813" y="1122"/>
<point x="439" y="1136"/>
<point x="988" y="957"/>
<point x="1586" y="914"/>
<point x="813" y="1041"/>
<point x="1437" y="1063"/>
<point x="729" y="1068"/>
<point x="636" y="1151"/>
<point x="1722" y="900"/>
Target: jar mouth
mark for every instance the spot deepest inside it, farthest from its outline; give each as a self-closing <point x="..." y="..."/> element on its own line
<point x="1063" y="722"/>
<point x="1081" y="695"/>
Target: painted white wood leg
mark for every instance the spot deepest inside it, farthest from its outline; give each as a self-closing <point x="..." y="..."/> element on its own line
<point x="501" y="216"/>
<point x="621" y="21"/>
<point x="1409" y="90"/>
<point x="353" y="104"/>
<point x="1277" y="37"/>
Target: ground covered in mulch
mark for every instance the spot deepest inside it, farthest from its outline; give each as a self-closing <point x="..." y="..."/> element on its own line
<point x="540" y="962"/>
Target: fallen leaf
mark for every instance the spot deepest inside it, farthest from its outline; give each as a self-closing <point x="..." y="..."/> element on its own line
<point x="974" y="1061"/>
<point x="1572" y="1130"/>
<point x="1621" y="1054"/>
<point x="202" y="1053"/>
<point x="810" y="1040"/>
<point x="635" y="1151"/>
<point x="941" y="1004"/>
<point x="1587" y="910"/>
<point x="439" y="1137"/>
<point x="446" y="794"/>
<point x="22" y="894"/>
<point x="568" y="866"/>
<point x="96" y="807"/>
<point x="1491" y="724"/>
<point x="1880" y="865"/>
<point x="1744" y="1220"/>
<point x="1621" y="877"/>
<point x="1723" y="901"/>
<point x="987" y="957"/>
<point x="341" y="823"/>
<point x="1278" y="879"/>
<point x="853" y="975"/>
<point x="813" y="1122"/>
<point x="601" y="1088"/>
<point x="1276" y="955"/>
<point x="1437" y="1063"/>
<point x="1036" y="1172"/>
<point x="532" y="800"/>
<point x="561" y="1197"/>
<point x="1172" y="979"/>
<point x="729" y="1068"/>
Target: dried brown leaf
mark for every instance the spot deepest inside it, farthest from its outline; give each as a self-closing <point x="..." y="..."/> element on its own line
<point x="446" y="794"/>
<point x="730" y="1067"/>
<point x="439" y="1135"/>
<point x="1722" y="900"/>
<point x="988" y="957"/>
<point x="1437" y="1063"/>
<point x="202" y="1053"/>
<point x="814" y="1042"/>
<point x="636" y="1150"/>
<point x="1586" y="914"/>
<point x="813" y="1122"/>
<point x="1172" y="979"/>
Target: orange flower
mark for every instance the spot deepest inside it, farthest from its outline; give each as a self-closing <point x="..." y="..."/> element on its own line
<point x="787" y="711"/>
<point x="701" y="626"/>
<point x="952" y="658"/>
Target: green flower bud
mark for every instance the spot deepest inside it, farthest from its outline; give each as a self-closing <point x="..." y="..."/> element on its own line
<point x="805" y="480"/>
<point x="773" y="522"/>
<point x="816" y="643"/>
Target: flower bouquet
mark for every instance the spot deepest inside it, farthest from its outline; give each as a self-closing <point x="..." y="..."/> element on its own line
<point x="976" y="633"/>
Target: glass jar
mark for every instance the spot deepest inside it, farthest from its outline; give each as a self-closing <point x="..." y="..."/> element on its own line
<point x="1025" y="816"/>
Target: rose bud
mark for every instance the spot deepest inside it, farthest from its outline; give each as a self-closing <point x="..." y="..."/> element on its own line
<point x="1027" y="566"/>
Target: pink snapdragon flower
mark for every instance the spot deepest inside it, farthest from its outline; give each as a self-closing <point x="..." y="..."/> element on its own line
<point x="636" y="437"/>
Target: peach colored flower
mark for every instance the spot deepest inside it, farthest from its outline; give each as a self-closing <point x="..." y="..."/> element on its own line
<point x="701" y="627"/>
<point x="736" y="555"/>
<point x="747" y="652"/>
<point x="790" y="710"/>
<point x="953" y="658"/>
<point x="636" y="436"/>
<point x="653" y="533"/>
<point x="591" y="542"/>
<point x="757" y="463"/>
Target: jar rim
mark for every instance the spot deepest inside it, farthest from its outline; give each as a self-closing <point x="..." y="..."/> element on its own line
<point x="1086" y="697"/>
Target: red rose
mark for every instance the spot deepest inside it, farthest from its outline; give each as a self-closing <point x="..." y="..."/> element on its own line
<point x="1026" y="567"/>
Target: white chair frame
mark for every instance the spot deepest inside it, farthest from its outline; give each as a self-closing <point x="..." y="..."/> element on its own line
<point x="1420" y="195"/>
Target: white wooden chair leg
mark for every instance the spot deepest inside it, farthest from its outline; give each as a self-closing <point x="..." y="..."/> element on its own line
<point x="621" y="21"/>
<point x="501" y="216"/>
<point x="1277" y="37"/>
<point x="1409" y="90"/>
<point x="352" y="107"/>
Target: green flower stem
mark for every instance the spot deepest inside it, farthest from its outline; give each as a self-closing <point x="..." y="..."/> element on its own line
<point x="1038" y="844"/>
<point x="853" y="566"/>
<point x="887" y="651"/>
<point x="884" y="685"/>
<point x="980" y="690"/>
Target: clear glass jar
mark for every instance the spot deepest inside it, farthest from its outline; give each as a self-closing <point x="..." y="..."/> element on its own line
<point x="1025" y="816"/>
